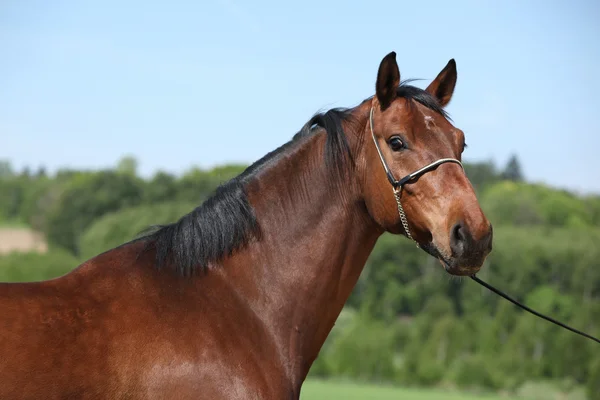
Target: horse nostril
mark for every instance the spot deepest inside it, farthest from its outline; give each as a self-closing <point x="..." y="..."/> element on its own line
<point x="488" y="238"/>
<point x="458" y="239"/>
<point x="458" y="232"/>
<point x="463" y="244"/>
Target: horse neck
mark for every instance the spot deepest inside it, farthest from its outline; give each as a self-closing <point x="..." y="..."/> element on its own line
<point x="315" y="242"/>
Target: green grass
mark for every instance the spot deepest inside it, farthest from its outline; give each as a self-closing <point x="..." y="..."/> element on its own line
<point x="323" y="390"/>
<point x="12" y="223"/>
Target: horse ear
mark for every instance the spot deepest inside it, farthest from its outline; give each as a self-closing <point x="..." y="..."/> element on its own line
<point x="388" y="79"/>
<point x="443" y="85"/>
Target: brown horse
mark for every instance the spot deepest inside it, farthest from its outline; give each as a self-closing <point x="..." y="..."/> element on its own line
<point x="235" y="299"/>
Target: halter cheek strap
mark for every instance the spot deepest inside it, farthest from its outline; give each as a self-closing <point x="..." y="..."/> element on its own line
<point x="398" y="184"/>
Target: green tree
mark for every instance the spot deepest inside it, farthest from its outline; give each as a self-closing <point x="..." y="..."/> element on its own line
<point x="29" y="267"/>
<point x="127" y="165"/>
<point x="41" y="172"/>
<point x="512" y="171"/>
<point x="364" y="351"/>
<point x="593" y="382"/>
<point x="86" y="198"/>
<point x="116" y="228"/>
<point x="481" y="174"/>
<point x="12" y="191"/>
<point x="392" y="280"/>
<point x="518" y="204"/>
<point x="6" y="170"/>
<point x="197" y="184"/>
<point x="161" y="188"/>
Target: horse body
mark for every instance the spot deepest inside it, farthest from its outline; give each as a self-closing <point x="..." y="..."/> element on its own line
<point x="113" y="331"/>
<point x="235" y="300"/>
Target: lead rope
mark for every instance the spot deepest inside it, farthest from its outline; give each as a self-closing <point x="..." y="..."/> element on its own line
<point x="524" y="307"/>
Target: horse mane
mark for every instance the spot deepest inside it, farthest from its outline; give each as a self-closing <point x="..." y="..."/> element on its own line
<point x="226" y="222"/>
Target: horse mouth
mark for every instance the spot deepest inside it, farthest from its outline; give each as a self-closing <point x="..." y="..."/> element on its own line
<point x="457" y="270"/>
<point x="449" y="266"/>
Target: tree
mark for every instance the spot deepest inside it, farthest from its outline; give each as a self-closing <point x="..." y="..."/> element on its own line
<point x="86" y="198"/>
<point x="34" y="266"/>
<point x="116" y="228"/>
<point x="6" y="170"/>
<point x="593" y="383"/>
<point x="481" y="174"/>
<point x="127" y="165"/>
<point x="26" y="172"/>
<point x="163" y="187"/>
<point x="512" y="171"/>
<point x="197" y="184"/>
<point x="41" y="172"/>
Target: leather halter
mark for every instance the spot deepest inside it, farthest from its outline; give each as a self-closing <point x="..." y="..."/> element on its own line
<point x="398" y="184"/>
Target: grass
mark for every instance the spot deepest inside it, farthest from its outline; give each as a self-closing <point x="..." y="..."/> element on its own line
<point x="13" y="223"/>
<point x="324" y="390"/>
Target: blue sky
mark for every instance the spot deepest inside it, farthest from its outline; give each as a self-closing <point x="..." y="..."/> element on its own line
<point x="184" y="83"/>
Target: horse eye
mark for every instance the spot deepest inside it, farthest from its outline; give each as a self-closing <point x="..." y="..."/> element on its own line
<point x="396" y="144"/>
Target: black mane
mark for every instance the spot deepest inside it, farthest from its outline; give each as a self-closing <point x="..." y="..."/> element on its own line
<point x="226" y="221"/>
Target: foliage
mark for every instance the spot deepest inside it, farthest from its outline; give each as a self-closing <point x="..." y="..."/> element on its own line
<point x="25" y="267"/>
<point x="197" y="184"/>
<point x="482" y="174"/>
<point x="122" y="226"/>
<point x="63" y="206"/>
<point x="518" y="204"/>
<point x="317" y="389"/>
<point x="86" y="198"/>
<point x="512" y="171"/>
<point x="5" y="169"/>
<point x="127" y="165"/>
<point x="593" y="387"/>
<point x="366" y="340"/>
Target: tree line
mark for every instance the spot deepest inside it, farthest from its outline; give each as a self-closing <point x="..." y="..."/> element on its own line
<point x="406" y="321"/>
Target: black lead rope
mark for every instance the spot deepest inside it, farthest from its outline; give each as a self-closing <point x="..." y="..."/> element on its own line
<point x="493" y="289"/>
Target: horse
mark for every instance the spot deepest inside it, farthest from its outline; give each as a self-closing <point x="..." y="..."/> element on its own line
<point x="235" y="299"/>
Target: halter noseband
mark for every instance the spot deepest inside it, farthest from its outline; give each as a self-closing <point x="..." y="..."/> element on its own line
<point x="398" y="184"/>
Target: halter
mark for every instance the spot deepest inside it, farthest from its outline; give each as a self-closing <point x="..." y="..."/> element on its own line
<point x="398" y="184"/>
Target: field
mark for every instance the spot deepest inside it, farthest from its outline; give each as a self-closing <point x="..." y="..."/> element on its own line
<point x="22" y="239"/>
<point x="321" y="390"/>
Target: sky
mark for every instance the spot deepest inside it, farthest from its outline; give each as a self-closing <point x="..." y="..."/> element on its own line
<point x="180" y="84"/>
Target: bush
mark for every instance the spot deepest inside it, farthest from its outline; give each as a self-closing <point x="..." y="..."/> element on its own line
<point x="512" y="203"/>
<point x="27" y="267"/>
<point x="321" y="367"/>
<point x="86" y="198"/>
<point x="548" y="390"/>
<point x="474" y="371"/>
<point x="593" y="383"/>
<point x="122" y="226"/>
<point x="363" y="351"/>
